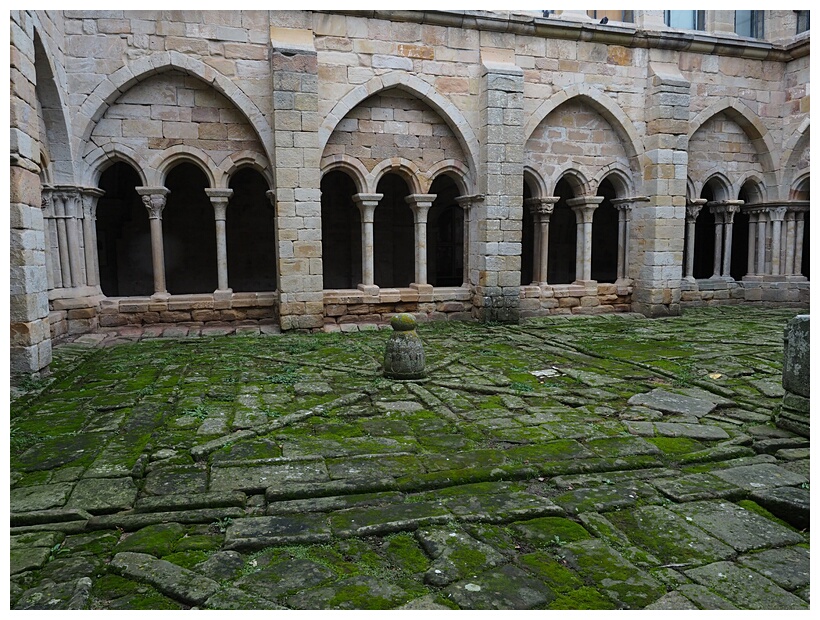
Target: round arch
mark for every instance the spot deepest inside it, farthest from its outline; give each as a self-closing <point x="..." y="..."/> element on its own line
<point x="453" y="169"/>
<point x="405" y="168"/>
<point x="620" y="179"/>
<point x="354" y="169"/>
<point x="165" y="161"/>
<point x="243" y="159"/>
<point x="576" y="179"/>
<point x="102" y="158"/>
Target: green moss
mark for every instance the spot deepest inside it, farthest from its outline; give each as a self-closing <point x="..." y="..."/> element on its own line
<point x="403" y="550"/>
<point x="676" y="445"/>
<point x="358" y="597"/>
<point x="187" y="559"/>
<point x="466" y="559"/>
<point x="157" y="540"/>
<point x="555" y="574"/>
<point x="549" y="531"/>
<point x="582" y="598"/>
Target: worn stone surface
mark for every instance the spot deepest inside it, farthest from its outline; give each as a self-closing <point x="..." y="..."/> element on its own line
<point x="347" y="500"/>
<point x="745" y="587"/>
<point x="672" y="403"/>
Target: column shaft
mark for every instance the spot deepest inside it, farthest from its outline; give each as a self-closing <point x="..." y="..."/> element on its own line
<point x="761" y="244"/>
<point x="154" y="200"/>
<point x="750" y="255"/>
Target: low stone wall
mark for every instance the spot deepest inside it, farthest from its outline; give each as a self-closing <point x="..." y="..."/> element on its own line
<point x="591" y="298"/>
<point x="351" y="309"/>
<point x="252" y="307"/>
<point x="764" y="290"/>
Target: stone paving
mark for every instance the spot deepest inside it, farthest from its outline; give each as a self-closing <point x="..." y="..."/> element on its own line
<point x="608" y="462"/>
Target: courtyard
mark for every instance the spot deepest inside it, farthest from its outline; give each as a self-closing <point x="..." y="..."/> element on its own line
<point x="595" y="462"/>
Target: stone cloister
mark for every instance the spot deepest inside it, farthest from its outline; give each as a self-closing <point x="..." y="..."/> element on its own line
<point x="324" y="170"/>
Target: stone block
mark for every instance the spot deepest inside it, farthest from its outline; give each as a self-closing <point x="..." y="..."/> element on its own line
<point x="796" y="356"/>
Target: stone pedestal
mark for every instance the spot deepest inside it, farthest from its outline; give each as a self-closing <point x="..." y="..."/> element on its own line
<point x="404" y="354"/>
<point x="794" y="412"/>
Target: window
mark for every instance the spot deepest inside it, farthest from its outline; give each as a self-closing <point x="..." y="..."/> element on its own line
<point x="686" y="20"/>
<point x="615" y="16"/>
<point x="802" y="21"/>
<point x="749" y="24"/>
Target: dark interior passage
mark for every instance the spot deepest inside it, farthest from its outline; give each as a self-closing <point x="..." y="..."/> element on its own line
<point x="445" y="235"/>
<point x="123" y="235"/>
<point x="527" y="240"/>
<point x="605" y="236"/>
<point x="562" y="236"/>
<point x="189" y="232"/>
<point x="394" y="239"/>
<point x="341" y="232"/>
<point x="704" y="254"/>
<point x="250" y="234"/>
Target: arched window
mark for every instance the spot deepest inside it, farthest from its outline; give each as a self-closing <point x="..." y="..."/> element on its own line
<point x="393" y="233"/>
<point x="250" y="234"/>
<point x="445" y="235"/>
<point x="605" y="236"/>
<point x="341" y="232"/>
<point x="562" y="237"/>
<point x="189" y="232"/>
<point x="704" y="254"/>
<point x="123" y="235"/>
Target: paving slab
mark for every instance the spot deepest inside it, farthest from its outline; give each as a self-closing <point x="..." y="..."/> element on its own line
<point x="505" y="587"/>
<point x="693" y="431"/>
<point x="363" y="592"/>
<point x="455" y="555"/>
<point x="693" y="487"/>
<point x="166" y="577"/>
<point x="103" y="495"/>
<point x="259" y="532"/>
<point x="742" y="529"/>
<point x="745" y="587"/>
<point x="284" y="578"/>
<point x="791" y="504"/>
<point x="787" y="567"/>
<point x="669" y="402"/>
<point x="39" y="497"/>
<point x="387" y="519"/>
<point x="762" y="476"/>
<point x="251" y="478"/>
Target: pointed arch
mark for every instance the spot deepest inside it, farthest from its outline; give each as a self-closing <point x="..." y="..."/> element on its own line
<point x="536" y="182"/>
<point x="605" y="106"/>
<point x="575" y="178"/>
<point x="795" y="147"/>
<point x="619" y="177"/>
<point x="110" y="89"/>
<point x="454" y="169"/>
<point x="747" y="120"/>
<point x="54" y="106"/>
<point x="418" y="88"/>
<point x="721" y="186"/>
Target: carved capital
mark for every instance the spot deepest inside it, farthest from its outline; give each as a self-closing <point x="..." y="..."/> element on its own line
<point x="154" y="199"/>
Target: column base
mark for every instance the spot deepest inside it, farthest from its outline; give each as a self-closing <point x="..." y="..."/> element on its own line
<point x="222" y="294"/>
<point x="161" y="296"/>
<point x="369" y="289"/>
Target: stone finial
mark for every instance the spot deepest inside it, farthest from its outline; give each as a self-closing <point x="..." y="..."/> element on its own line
<point x="404" y="354"/>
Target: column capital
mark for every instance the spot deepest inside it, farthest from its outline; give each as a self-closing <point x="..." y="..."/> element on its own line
<point x="90" y="196"/>
<point x="543" y="205"/>
<point x="626" y="204"/>
<point x="219" y="200"/>
<point x="271" y="197"/>
<point x="585" y="206"/>
<point x="466" y="202"/>
<point x="693" y="208"/>
<point x="777" y="213"/>
<point x="420" y="199"/>
<point x="154" y="199"/>
<point x="367" y="204"/>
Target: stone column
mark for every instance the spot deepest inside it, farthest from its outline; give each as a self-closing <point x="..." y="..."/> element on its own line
<point x="90" y="196"/>
<point x="219" y="199"/>
<point x="624" y="208"/>
<point x="717" y="263"/>
<point x="789" y="249"/>
<point x="761" y="242"/>
<point x="584" y="207"/>
<point x="73" y="212"/>
<point x="420" y="206"/>
<point x="541" y="209"/>
<point x="693" y="208"/>
<point x="154" y="199"/>
<point x="367" y="204"/>
<point x="495" y="276"/>
<point x="62" y="237"/>
<point x="296" y="154"/>
<point x="467" y="205"/>
<point x="728" y="220"/>
<point x="53" y="272"/>
<point x="777" y="214"/>
<point x="750" y="256"/>
<point x="798" y="240"/>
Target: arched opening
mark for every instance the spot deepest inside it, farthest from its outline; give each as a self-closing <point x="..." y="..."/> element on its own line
<point x="527" y="239"/>
<point x="704" y="254"/>
<point x="605" y="236"/>
<point x="394" y="242"/>
<point x="123" y="235"/>
<point x="250" y="234"/>
<point x="802" y="193"/>
<point x="445" y="235"/>
<point x="341" y="232"/>
<point x="189" y="232"/>
<point x="562" y="236"/>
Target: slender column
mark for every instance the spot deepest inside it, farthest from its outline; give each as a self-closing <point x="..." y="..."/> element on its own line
<point x="777" y="214"/>
<point x="692" y="210"/>
<point x="624" y="208"/>
<point x="367" y="204"/>
<point x="541" y="209"/>
<point x="466" y="203"/>
<point x="47" y="205"/>
<point x="420" y="206"/>
<point x="73" y="213"/>
<point x="154" y="199"/>
<point x="750" y="256"/>
<point x="90" y="196"/>
<point x="58" y="199"/>
<point x="761" y="243"/>
<point x="219" y="199"/>
<point x="728" y="221"/>
<point x="584" y="207"/>
<point x="790" y="229"/>
<point x="718" y="213"/>
<point x="798" y="241"/>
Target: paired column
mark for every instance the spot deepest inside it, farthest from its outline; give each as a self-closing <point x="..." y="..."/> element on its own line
<point x="750" y="256"/>
<point x="466" y="203"/>
<point x="154" y="199"/>
<point x="219" y="199"/>
<point x="799" y="213"/>
<point x="776" y="215"/>
<point x="420" y="206"/>
<point x="724" y="212"/>
<point x="624" y="208"/>
<point x="90" y="197"/>
<point x="367" y="204"/>
<point x="541" y="210"/>
<point x="693" y="208"/>
<point x="584" y="208"/>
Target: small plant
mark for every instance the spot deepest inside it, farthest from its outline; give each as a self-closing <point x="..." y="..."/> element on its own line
<point x="56" y="550"/>
<point x="521" y="387"/>
<point x="221" y="525"/>
<point x="200" y="412"/>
